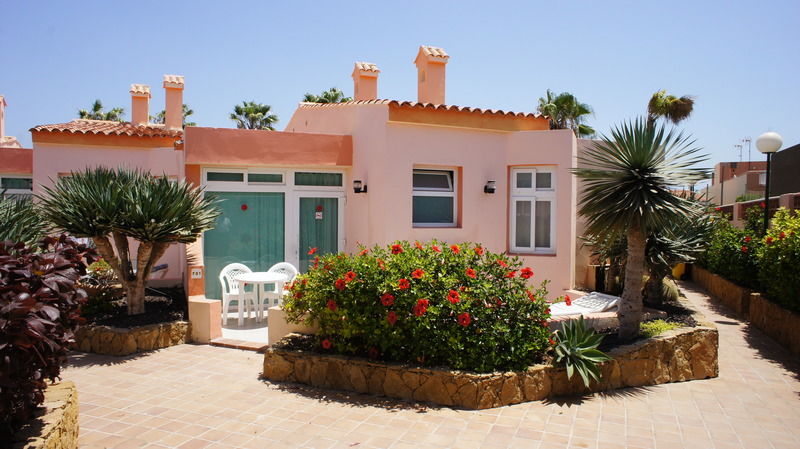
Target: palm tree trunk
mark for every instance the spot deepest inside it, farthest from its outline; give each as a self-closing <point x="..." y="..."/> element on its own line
<point x="134" y="292"/>
<point x="630" y="304"/>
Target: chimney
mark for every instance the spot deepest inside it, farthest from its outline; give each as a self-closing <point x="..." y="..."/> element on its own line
<point x="431" y="62"/>
<point x="173" y="112"/>
<point x="140" y="104"/>
<point x="365" y="81"/>
<point x="2" y="117"/>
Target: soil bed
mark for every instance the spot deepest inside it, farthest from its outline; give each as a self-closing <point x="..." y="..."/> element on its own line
<point x="676" y="313"/>
<point x="158" y="309"/>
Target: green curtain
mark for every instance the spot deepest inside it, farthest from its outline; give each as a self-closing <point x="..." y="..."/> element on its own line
<point x="318" y="232"/>
<point x="249" y="231"/>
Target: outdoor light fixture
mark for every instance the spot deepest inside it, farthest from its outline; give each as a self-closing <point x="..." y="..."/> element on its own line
<point x="359" y="187"/>
<point x="768" y="143"/>
<point x="490" y="187"/>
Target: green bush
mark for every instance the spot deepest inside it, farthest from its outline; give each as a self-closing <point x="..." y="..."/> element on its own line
<point x="732" y="253"/>
<point x="457" y="306"/>
<point x="102" y="288"/>
<point x="779" y="260"/>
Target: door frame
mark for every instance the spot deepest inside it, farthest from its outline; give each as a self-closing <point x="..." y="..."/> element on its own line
<point x="340" y="238"/>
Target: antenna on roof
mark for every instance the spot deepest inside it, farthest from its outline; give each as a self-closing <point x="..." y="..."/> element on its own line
<point x="739" y="147"/>
<point x="748" y="142"/>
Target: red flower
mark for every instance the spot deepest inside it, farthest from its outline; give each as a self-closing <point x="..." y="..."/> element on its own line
<point x="769" y="240"/>
<point x="464" y="319"/>
<point x="381" y="264"/>
<point x="568" y="300"/>
<point x="332" y="305"/>
<point x="526" y="273"/>
<point x="511" y="274"/>
<point x="479" y="250"/>
<point x="387" y="299"/>
<point x="747" y="239"/>
<point x="551" y="341"/>
<point x="340" y="284"/>
<point x="717" y="209"/>
<point x="543" y="323"/>
<point x="547" y="311"/>
<point x="455" y="249"/>
<point x="499" y="302"/>
<point x="782" y="235"/>
<point x="418" y="245"/>
<point x="397" y="249"/>
<point x="471" y="273"/>
<point x="744" y="249"/>
<point x="391" y="318"/>
<point x="316" y="261"/>
<point x="530" y="294"/>
<point x="762" y="205"/>
<point x="501" y="263"/>
<point x="436" y="248"/>
<point x="326" y="344"/>
<point x="298" y="295"/>
<point x="373" y="353"/>
<point x="417" y="274"/>
<point x="421" y="307"/>
<point x="403" y="284"/>
<point x="462" y="289"/>
<point x="327" y="267"/>
<point x="312" y="251"/>
<point x="453" y="296"/>
<point x="349" y="276"/>
<point x="363" y="252"/>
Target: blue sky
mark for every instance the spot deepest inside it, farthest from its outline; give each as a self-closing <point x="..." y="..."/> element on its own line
<point x="739" y="59"/>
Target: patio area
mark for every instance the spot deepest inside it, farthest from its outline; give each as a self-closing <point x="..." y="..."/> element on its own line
<point x="192" y="396"/>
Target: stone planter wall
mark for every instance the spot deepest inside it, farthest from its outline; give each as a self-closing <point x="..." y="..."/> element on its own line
<point x="733" y="296"/>
<point x="56" y="426"/>
<point x="122" y="341"/>
<point x="780" y="324"/>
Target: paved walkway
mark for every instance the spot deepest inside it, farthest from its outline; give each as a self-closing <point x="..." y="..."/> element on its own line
<point x="205" y="397"/>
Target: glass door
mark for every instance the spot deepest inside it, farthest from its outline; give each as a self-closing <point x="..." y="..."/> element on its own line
<point x="249" y="231"/>
<point x="320" y="227"/>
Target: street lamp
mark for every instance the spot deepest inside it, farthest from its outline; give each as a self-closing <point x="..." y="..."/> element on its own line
<point x="768" y="143"/>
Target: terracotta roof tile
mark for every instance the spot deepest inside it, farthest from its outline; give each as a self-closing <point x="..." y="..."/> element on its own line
<point x="414" y="104"/>
<point x="140" y="89"/>
<point x="173" y="81"/>
<point x="434" y="51"/>
<point x="367" y="66"/>
<point x="109" y="128"/>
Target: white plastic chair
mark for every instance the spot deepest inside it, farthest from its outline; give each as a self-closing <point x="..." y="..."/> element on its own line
<point x="275" y="297"/>
<point x="231" y="290"/>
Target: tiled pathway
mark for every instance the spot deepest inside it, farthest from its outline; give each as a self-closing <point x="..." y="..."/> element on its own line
<point x="205" y="397"/>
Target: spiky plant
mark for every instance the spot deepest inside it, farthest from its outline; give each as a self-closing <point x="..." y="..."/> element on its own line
<point x="332" y="95"/>
<point x="252" y="115"/>
<point x="20" y="221"/>
<point x="674" y="109"/>
<point x="627" y="179"/>
<point x="576" y="347"/>
<point x="110" y="205"/>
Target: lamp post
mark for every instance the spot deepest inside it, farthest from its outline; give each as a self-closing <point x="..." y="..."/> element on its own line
<point x="768" y="143"/>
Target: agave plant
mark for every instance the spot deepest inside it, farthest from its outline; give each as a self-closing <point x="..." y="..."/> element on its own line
<point x="116" y="205"/>
<point x="576" y="347"/>
<point x="20" y="221"/>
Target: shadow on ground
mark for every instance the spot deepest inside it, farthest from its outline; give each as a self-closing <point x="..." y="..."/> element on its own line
<point x="77" y="359"/>
<point x="621" y="393"/>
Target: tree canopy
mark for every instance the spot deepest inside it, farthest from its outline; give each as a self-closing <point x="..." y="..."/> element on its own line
<point x="673" y="109"/>
<point x="332" y="95"/>
<point x="160" y="117"/>
<point x="252" y="115"/>
<point x="97" y="113"/>
<point x="566" y="112"/>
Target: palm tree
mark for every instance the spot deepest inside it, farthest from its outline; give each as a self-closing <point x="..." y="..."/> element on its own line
<point x="332" y="95"/>
<point x="670" y="107"/>
<point x="252" y="115"/>
<point x="20" y="220"/>
<point x="566" y="112"/>
<point x="97" y="113"/>
<point x="627" y="190"/>
<point x="117" y="205"/>
<point x="159" y="118"/>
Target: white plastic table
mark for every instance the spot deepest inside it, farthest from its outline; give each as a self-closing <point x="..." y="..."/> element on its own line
<point x="259" y="279"/>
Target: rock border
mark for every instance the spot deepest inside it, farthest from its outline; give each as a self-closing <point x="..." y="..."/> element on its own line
<point x="56" y="425"/>
<point x="674" y="356"/>
<point x="126" y="341"/>
<point x="733" y="296"/>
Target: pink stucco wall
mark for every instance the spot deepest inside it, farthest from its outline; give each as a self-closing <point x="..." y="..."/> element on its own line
<point x="50" y="160"/>
<point x="385" y="153"/>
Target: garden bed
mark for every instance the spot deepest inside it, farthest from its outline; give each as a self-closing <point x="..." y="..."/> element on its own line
<point x="55" y="425"/>
<point x="125" y="341"/>
<point x="733" y="296"/>
<point x="687" y="353"/>
<point x="171" y="306"/>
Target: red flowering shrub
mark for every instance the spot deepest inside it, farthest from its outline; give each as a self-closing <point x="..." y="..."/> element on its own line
<point x="415" y="303"/>
<point x="779" y="259"/>
<point x="39" y="311"/>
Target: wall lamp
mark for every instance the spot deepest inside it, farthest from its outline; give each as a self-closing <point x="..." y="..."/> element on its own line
<point x="490" y="187"/>
<point x="359" y="187"/>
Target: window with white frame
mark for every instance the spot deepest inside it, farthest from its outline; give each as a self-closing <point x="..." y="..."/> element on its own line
<point x="434" y="198"/>
<point x="532" y="209"/>
<point x="16" y="187"/>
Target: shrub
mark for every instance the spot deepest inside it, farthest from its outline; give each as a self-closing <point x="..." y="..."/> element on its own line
<point x="652" y="328"/>
<point x="458" y="306"/>
<point x="732" y="253"/>
<point x="779" y="259"/>
<point x="576" y="347"/>
<point x="103" y="289"/>
<point x="20" y="221"/>
<point x="38" y="314"/>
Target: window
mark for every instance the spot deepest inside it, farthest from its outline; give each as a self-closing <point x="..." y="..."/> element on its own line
<point x="16" y="187"/>
<point x="434" y="198"/>
<point x="762" y="179"/>
<point x="318" y="179"/>
<point x="225" y="176"/>
<point x="532" y="210"/>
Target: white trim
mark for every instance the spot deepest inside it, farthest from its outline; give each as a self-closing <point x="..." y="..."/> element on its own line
<point x="425" y="191"/>
<point x="533" y="195"/>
